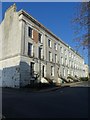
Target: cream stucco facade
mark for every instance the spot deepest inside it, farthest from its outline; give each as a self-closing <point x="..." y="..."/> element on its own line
<point x="26" y="44"/>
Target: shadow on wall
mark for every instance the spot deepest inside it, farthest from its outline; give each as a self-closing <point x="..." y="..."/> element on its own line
<point x="15" y="76"/>
<point x="11" y="76"/>
<point x="27" y="74"/>
<point x="24" y="74"/>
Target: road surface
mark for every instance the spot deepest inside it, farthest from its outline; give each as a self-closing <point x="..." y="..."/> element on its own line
<point x="68" y="102"/>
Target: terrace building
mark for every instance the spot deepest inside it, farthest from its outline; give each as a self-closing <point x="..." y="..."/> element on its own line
<point x="30" y="52"/>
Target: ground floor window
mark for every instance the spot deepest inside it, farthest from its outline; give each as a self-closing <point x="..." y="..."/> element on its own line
<point x="43" y="71"/>
<point x="68" y="72"/>
<point x="32" y="68"/>
<point x="52" y="71"/>
<point x="64" y="72"/>
<point x="72" y="73"/>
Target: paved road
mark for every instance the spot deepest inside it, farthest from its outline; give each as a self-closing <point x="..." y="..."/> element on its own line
<point x="69" y="102"/>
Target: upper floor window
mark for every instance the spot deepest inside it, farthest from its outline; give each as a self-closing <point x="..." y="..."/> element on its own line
<point x="69" y="63"/>
<point x="30" y="49"/>
<point x="49" y="43"/>
<point x="66" y="61"/>
<point x="61" y="48"/>
<point x="40" y="37"/>
<point x="40" y="53"/>
<point x="72" y="55"/>
<point x="50" y="56"/>
<point x="30" y="32"/>
<point x="55" y="46"/>
<point x="55" y="58"/>
<point x="62" y="60"/>
<point x="65" y="52"/>
<point x="69" y="54"/>
<point x="75" y="65"/>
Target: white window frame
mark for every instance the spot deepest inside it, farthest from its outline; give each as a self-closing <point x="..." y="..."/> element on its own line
<point x="31" y="55"/>
<point x="56" y="60"/>
<point x="50" y="56"/>
<point x="64" y="72"/>
<point x="61" y="49"/>
<point x="41" y="37"/>
<point x="55" y="46"/>
<point x="28" y="31"/>
<point x="52" y="71"/>
<point x="62" y="62"/>
<point x="41" y="53"/>
<point x="66" y="61"/>
<point x="49" y="43"/>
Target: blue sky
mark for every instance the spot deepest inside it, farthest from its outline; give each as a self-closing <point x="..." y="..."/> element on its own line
<point x="56" y="16"/>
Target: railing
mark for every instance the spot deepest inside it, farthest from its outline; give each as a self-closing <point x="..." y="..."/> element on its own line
<point x="64" y="79"/>
<point x="75" y="79"/>
<point x="49" y="80"/>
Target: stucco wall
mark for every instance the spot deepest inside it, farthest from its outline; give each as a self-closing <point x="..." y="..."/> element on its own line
<point x="11" y="72"/>
<point x="10" y="34"/>
<point x="10" y="44"/>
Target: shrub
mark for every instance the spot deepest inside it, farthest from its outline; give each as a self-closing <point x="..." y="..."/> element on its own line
<point x="84" y="78"/>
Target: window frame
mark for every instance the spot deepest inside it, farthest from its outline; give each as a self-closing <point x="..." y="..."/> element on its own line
<point x="50" y="56"/>
<point x="61" y="49"/>
<point x="30" y="32"/>
<point x="30" y="49"/>
<point x="55" y="46"/>
<point x="52" y="70"/>
<point x="40" y="53"/>
<point x="56" y="59"/>
<point x="40" y="37"/>
<point x="49" y="43"/>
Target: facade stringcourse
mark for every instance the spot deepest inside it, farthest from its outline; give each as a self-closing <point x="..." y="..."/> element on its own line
<point x="30" y="52"/>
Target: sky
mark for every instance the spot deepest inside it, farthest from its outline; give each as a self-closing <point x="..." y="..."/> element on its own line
<point x="56" y="16"/>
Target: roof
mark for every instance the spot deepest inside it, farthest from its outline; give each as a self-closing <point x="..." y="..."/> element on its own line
<point x="44" y="28"/>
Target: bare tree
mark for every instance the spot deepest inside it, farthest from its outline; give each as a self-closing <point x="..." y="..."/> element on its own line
<point x="81" y="24"/>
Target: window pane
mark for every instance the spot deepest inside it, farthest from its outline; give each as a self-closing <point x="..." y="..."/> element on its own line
<point x="40" y="52"/>
<point x="43" y="70"/>
<point x="50" y="56"/>
<point x="52" y="71"/>
<point x="29" y="49"/>
<point x="32" y="69"/>
<point x="40" y="38"/>
<point x="55" y="46"/>
<point x="49" y="43"/>
<point x="30" y="32"/>
<point x="56" y="58"/>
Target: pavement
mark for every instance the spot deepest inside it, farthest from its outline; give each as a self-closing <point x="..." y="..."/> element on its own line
<point x="61" y="86"/>
<point x="47" y="89"/>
